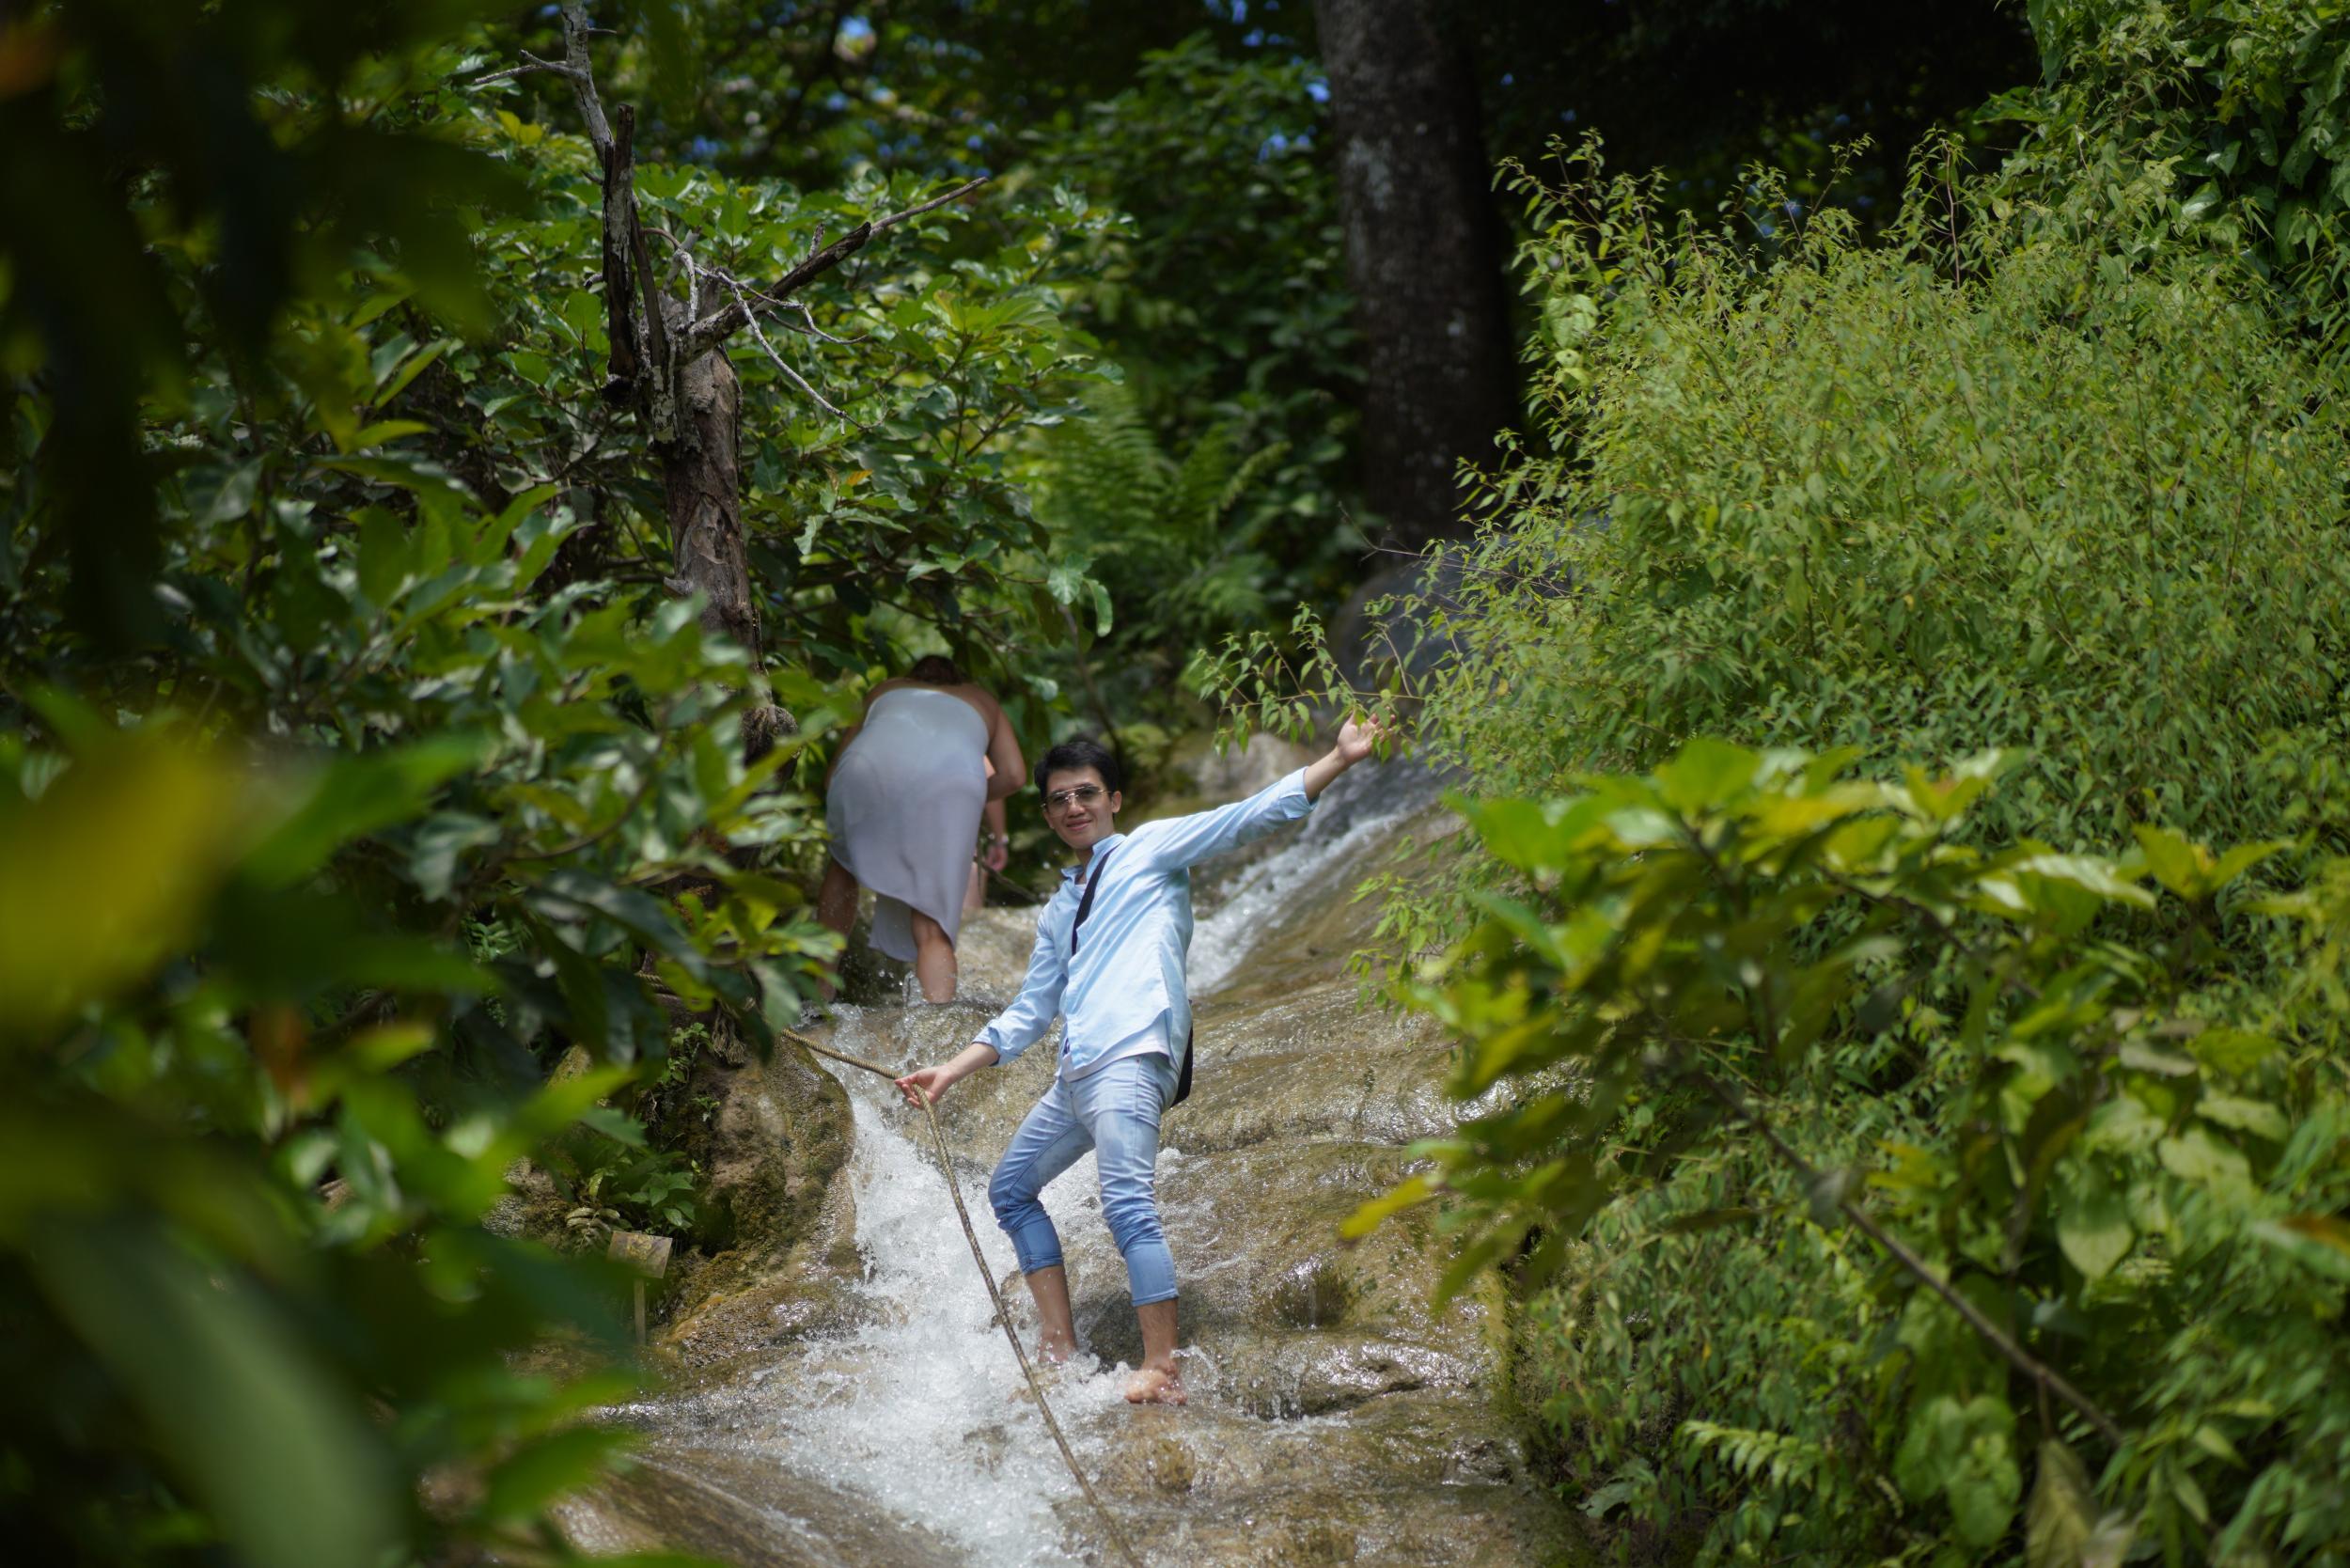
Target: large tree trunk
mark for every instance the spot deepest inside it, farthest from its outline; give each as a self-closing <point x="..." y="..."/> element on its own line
<point x="1423" y="255"/>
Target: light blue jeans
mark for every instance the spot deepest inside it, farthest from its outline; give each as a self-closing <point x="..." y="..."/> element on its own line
<point x="1113" y="1112"/>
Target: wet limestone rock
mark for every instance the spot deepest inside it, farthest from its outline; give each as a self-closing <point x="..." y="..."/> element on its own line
<point x="777" y="1228"/>
<point x="734" y="1509"/>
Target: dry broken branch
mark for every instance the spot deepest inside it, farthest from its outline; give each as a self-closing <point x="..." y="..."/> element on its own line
<point x="531" y="65"/>
<point x="715" y="328"/>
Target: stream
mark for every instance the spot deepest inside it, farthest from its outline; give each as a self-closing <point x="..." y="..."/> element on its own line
<point x="1333" y="1416"/>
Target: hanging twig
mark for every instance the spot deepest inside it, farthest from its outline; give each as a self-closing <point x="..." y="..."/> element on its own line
<point x="750" y="318"/>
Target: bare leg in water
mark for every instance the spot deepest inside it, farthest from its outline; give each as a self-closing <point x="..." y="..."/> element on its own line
<point x="1156" y="1383"/>
<point x="836" y="905"/>
<point x="934" y="954"/>
<point x="934" y="958"/>
<point x="1058" y="1339"/>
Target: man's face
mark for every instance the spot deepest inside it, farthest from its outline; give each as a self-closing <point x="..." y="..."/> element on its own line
<point x="1079" y="807"/>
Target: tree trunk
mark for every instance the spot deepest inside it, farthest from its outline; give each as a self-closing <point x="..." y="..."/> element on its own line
<point x="701" y="478"/>
<point x="1423" y="255"/>
<point x="701" y="481"/>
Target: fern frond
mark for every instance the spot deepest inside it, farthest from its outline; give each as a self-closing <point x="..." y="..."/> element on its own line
<point x="1781" y="1457"/>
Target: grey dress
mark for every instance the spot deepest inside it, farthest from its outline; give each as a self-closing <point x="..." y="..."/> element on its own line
<point x="903" y="809"/>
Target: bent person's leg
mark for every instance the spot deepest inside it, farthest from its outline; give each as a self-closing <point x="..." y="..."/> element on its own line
<point x="836" y="901"/>
<point x="934" y="958"/>
<point x="1049" y="1141"/>
<point x="1127" y="1108"/>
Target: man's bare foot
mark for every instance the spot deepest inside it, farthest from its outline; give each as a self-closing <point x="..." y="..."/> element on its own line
<point x="1155" y="1386"/>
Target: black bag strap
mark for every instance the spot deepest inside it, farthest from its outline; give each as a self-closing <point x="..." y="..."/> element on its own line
<point x="1085" y="905"/>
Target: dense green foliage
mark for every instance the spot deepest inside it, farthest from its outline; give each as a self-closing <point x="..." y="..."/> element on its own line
<point x="1753" y="1018"/>
<point x="1919" y="497"/>
<point x="1919" y="1171"/>
<point x="2220" y="125"/>
<point x="386" y="769"/>
<point x="1211" y="490"/>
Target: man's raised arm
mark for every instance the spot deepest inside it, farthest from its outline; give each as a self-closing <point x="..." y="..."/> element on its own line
<point x="1187" y="841"/>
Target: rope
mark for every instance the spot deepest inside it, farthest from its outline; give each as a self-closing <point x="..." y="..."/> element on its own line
<point x="987" y="1276"/>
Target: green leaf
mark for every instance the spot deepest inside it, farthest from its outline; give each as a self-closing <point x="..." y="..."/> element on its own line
<point x="2061" y="1516"/>
<point x="2093" y="1223"/>
<point x="387" y="557"/>
<point x="248" y="1417"/>
<point x="1409" y="1193"/>
<point x="2088" y="874"/>
<point x="409" y="371"/>
<point x="2177" y="864"/>
<point x="357" y="795"/>
<point x="2195" y="1155"/>
<point x="109" y="871"/>
<point x="546" y="1470"/>
<point x="2242" y="858"/>
<point x="237" y="490"/>
<point x="386" y="429"/>
<point x="1706" y="774"/>
<point x="2256" y="1117"/>
<point x="437" y="842"/>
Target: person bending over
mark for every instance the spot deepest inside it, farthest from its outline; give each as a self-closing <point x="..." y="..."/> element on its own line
<point x="903" y="802"/>
<point x="1118" y="982"/>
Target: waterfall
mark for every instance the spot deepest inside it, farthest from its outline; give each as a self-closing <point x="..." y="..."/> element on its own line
<point x="1348" y="1440"/>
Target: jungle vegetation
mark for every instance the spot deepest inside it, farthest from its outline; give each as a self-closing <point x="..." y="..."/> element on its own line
<point x="1909" y="886"/>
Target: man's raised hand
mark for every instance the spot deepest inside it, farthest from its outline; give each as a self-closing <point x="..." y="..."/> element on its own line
<point x="1356" y="737"/>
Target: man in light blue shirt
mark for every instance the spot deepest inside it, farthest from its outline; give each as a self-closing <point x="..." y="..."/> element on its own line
<point x="1110" y="947"/>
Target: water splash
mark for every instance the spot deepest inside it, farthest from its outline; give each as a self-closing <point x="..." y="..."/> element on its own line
<point x="1360" y="813"/>
<point x="923" y="1412"/>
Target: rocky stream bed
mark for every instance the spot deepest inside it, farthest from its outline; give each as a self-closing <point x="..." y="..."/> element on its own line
<point x="839" y="1395"/>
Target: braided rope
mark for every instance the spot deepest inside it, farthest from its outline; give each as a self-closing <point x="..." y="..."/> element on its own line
<point x="987" y="1276"/>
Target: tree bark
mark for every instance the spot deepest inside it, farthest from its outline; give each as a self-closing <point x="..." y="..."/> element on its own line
<point x="1423" y="255"/>
<point x="702" y="481"/>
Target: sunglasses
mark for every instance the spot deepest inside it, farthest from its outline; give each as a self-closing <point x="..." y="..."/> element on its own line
<point x="1060" y="800"/>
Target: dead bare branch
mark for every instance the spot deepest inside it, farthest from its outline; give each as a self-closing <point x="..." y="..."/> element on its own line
<point x="531" y="66"/>
<point x="576" y="67"/>
<point x="721" y="325"/>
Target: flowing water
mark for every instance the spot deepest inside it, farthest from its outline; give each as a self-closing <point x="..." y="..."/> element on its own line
<point x="1333" y="1416"/>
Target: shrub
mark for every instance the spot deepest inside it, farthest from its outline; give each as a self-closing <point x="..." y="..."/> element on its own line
<point x="2215" y="124"/>
<point x="1897" y="1199"/>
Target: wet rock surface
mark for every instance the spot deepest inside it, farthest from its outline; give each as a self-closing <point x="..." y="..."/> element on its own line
<point x="850" y="1399"/>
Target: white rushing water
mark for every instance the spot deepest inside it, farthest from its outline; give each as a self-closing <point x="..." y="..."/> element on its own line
<point x="1359" y="813"/>
<point x="924" y="1411"/>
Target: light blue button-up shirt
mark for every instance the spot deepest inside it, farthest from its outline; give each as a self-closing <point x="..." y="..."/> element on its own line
<point x="1127" y="975"/>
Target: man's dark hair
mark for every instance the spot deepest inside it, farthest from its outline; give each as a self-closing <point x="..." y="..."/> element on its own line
<point x="1082" y="752"/>
<point x="936" y="669"/>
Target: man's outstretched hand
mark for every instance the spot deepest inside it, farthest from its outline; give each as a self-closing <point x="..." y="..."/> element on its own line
<point x="924" y="1086"/>
<point x="1357" y="737"/>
